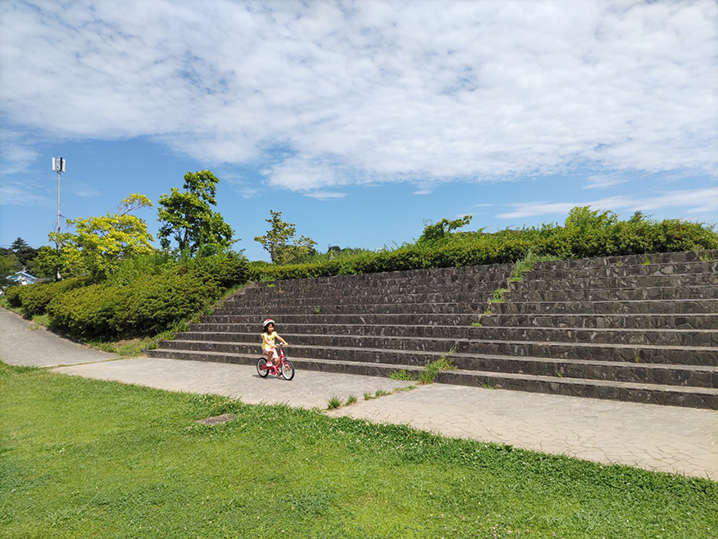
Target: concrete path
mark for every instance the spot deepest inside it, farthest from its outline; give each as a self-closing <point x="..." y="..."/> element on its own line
<point x="31" y="345"/>
<point x="660" y="438"/>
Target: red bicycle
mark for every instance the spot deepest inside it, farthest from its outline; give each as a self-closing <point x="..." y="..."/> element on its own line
<point x="281" y="367"/>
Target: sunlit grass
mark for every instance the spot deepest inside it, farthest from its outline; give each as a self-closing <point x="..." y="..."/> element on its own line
<point x="83" y="458"/>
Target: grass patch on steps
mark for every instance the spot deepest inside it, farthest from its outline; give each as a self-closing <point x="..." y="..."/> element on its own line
<point x="88" y="458"/>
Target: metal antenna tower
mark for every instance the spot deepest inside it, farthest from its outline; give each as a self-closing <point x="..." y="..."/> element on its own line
<point x="59" y="166"/>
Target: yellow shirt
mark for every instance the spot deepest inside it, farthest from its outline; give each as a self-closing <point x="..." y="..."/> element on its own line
<point x="268" y="340"/>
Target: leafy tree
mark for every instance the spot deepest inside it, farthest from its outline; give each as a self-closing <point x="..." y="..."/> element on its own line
<point x="9" y="264"/>
<point x="48" y="263"/>
<point x="280" y="243"/>
<point x="187" y="216"/>
<point x="99" y="244"/>
<point x="23" y="252"/>
<point x="582" y="219"/>
<point x="439" y="231"/>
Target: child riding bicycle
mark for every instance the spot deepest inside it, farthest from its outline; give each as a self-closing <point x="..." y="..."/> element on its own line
<point x="269" y="336"/>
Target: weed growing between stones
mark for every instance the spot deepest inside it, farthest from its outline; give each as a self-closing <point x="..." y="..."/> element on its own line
<point x="400" y="375"/>
<point x="428" y="375"/>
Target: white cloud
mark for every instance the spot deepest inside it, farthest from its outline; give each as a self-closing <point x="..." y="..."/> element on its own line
<point x="325" y="195"/>
<point x="696" y="201"/>
<point x="81" y="189"/>
<point x="602" y="182"/>
<point x="376" y="91"/>
<point x="15" y="154"/>
<point x="21" y="194"/>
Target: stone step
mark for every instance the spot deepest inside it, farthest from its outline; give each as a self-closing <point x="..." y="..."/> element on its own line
<point x="478" y="306"/>
<point x="638" y="353"/>
<point x="626" y="391"/>
<point x="350" y="299"/>
<point x="680" y="375"/>
<point x="662" y="337"/>
<point x="525" y="294"/>
<point x="544" y="271"/>
<point x="649" y="337"/>
<point x="668" y="395"/>
<point x="368" y="348"/>
<point x="634" y="328"/>
<point x="668" y="306"/>
<point x="577" y="282"/>
<point x="672" y="258"/>
<point x="360" y="288"/>
<point x="434" y="275"/>
<point x="706" y="376"/>
<point x="619" y="321"/>
<point x="255" y="320"/>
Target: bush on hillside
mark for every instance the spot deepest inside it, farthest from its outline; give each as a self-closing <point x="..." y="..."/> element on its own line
<point x="12" y="296"/>
<point x="585" y="234"/>
<point x="226" y="269"/>
<point x="86" y="312"/>
<point x="34" y="299"/>
<point x="146" y="307"/>
<point x="157" y="304"/>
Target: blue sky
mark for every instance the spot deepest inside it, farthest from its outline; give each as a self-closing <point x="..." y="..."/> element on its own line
<point x="360" y="120"/>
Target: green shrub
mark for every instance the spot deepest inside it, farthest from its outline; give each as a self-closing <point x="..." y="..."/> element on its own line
<point x="226" y="269"/>
<point x="12" y="296"/>
<point x="34" y="299"/>
<point x="158" y="303"/>
<point x="147" y="295"/>
<point x="146" y="307"/>
<point x="585" y="234"/>
<point x="86" y="312"/>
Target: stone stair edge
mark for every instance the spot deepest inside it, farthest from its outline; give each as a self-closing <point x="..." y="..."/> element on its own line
<point x="455" y="342"/>
<point x="516" y="359"/>
<point x="488" y="377"/>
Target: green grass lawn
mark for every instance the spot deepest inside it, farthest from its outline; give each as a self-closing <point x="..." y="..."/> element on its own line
<point x="83" y="458"/>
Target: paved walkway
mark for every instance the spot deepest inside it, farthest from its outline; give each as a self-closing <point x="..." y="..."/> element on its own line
<point x="661" y="438"/>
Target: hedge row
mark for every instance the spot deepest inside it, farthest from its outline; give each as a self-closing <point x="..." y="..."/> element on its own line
<point x="34" y="299"/>
<point x="146" y="306"/>
<point x="621" y="238"/>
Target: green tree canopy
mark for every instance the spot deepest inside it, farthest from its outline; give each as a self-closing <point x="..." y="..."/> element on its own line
<point x="439" y="231"/>
<point x="23" y="252"/>
<point x="187" y="216"/>
<point x="99" y="244"/>
<point x="280" y="243"/>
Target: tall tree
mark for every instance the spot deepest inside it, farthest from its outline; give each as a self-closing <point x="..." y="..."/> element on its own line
<point x="187" y="216"/>
<point x="280" y="243"/>
<point x="99" y="243"/>
<point x="24" y="253"/>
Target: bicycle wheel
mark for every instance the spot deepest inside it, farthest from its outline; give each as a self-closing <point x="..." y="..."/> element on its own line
<point x="287" y="369"/>
<point x="261" y="370"/>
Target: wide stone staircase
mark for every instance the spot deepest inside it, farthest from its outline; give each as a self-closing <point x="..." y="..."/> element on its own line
<point x="635" y="328"/>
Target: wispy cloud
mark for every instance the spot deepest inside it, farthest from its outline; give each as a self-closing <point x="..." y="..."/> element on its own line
<point x="81" y="189"/>
<point x="21" y="194"/>
<point x="377" y="91"/>
<point x="602" y="182"/>
<point x="697" y="201"/>
<point x="325" y="195"/>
